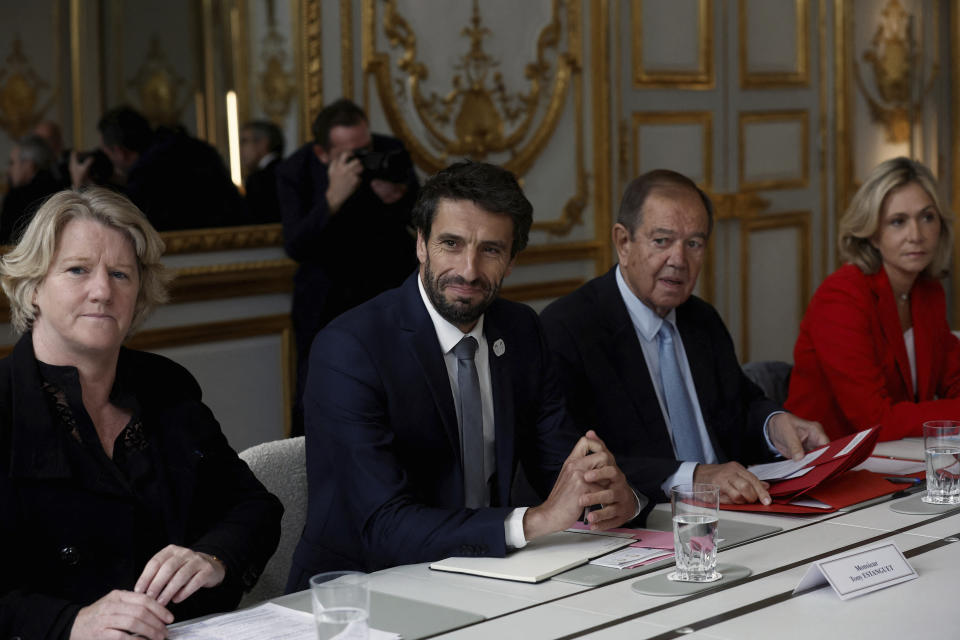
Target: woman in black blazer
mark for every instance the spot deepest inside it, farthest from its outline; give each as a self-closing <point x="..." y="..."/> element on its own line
<point x="122" y="507"/>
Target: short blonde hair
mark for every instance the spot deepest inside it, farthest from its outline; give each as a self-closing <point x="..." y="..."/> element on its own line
<point x="26" y="265"/>
<point x="861" y="220"/>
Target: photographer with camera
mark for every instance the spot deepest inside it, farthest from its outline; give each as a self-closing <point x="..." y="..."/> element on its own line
<point x="345" y="201"/>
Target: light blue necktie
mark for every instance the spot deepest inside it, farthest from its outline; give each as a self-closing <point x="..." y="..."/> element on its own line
<point x="683" y="421"/>
<point x="471" y="424"/>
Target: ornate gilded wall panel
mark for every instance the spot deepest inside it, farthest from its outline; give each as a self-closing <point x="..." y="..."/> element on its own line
<point x="774" y="150"/>
<point x="672" y="45"/>
<point x="768" y="275"/>
<point x="33" y="78"/>
<point x="479" y="91"/>
<point x="774" y="50"/>
<point x="674" y="140"/>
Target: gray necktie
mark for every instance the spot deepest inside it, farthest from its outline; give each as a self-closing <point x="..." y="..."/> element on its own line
<point x="683" y="422"/>
<point x="471" y="424"/>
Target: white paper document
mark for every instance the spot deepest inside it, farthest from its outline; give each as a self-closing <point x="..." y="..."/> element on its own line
<point x="542" y="558"/>
<point x="891" y="467"/>
<point x="857" y="439"/>
<point x="784" y="468"/>
<point x="267" y="622"/>
<point x="630" y="557"/>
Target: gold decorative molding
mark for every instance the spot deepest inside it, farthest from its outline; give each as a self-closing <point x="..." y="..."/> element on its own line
<point x="76" y="77"/>
<point x="767" y="222"/>
<point x="479" y="116"/>
<point x="239" y="47"/>
<point x="276" y="86"/>
<point x="702" y="118"/>
<point x="898" y="92"/>
<point x="565" y="252"/>
<point x="702" y="77"/>
<point x="954" y="17"/>
<point x="602" y="136"/>
<point x="744" y="205"/>
<point x="346" y="48"/>
<point x="159" y="88"/>
<point x="216" y="282"/>
<point x="800" y="77"/>
<point x="207" y="60"/>
<point x="223" y="239"/>
<point x="20" y="89"/>
<point x="843" y="106"/>
<point x="309" y="56"/>
<point x="745" y="119"/>
<point x="540" y="290"/>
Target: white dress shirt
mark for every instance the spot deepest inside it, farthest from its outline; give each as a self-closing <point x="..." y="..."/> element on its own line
<point x="448" y="336"/>
<point x="647" y="324"/>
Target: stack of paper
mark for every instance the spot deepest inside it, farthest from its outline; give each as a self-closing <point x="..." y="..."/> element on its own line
<point x="631" y="557"/>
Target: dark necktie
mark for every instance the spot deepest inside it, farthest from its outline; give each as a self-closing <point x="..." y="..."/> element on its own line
<point x="683" y="422"/>
<point x="471" y="424"/>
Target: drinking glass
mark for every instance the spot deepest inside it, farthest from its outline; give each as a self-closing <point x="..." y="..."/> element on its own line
<point x="341" y="605"/>
<point x="941" y="445"/>
<point x="696" y="513"/>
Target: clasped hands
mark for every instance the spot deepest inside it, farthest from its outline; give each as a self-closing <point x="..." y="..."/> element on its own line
<point x="792" y="436"/>
<point x="172" y="575"/>
<point x="589" y="476"/>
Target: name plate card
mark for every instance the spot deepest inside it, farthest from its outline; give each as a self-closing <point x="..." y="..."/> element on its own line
<point x="858" y="572"/>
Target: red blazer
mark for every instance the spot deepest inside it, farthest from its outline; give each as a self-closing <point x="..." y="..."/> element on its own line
<point x="850" y="364"/>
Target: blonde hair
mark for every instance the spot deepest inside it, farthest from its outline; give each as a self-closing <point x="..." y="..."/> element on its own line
<point x="861" y="220"/>
<point x="26" y="265"/>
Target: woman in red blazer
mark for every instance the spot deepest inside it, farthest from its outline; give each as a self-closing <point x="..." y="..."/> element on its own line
<point x="874" y="345"/>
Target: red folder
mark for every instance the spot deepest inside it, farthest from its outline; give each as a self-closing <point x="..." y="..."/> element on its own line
<point x="829" y="481"/>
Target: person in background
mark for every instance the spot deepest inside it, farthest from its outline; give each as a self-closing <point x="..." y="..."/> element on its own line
<point x="261" y="151"/>
<point x="874" y="345"/>
<point x="53" y="134"/>
<point x="330" y="202"/>
<point x="652" y="367"/>
<point x="122" y="507"/>
<point x="156" y="168"/>
<point x="30" y="179"/>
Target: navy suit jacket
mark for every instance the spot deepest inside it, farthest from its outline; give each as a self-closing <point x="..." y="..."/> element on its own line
<point x="608" y="386"/>
<point x="383" y="454"/>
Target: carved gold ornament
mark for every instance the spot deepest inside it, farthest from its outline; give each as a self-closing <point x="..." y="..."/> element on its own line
<point x="895" y="61"/>
<point x="276" y="86"/>
<point x="20" y="89"/>
<point x="158" y="87"/>
<point x="479" y="115"/>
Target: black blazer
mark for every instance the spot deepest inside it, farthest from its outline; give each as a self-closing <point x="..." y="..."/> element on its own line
<point x="383" y="453"/>
<point x="608" y="387"/>
<point x="65" y="537"/>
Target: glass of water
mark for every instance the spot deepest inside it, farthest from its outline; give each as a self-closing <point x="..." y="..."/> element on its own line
<point x="341" y="605"/>
<point x="696" y="513"/>
<point x="941" y="444"/>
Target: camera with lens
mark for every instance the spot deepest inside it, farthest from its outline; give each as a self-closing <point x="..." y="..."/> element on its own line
<point x="101" y="171"/>
<point x="392" y="165"/>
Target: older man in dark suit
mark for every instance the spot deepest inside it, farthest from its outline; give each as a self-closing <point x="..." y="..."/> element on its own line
<point x="653" y="369"/>
<point x="420" y="403"/>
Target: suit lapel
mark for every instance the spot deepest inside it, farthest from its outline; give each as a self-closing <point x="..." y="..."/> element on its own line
<point x="421" y="337"/>
<point x="503" y="407"/>
<point x="623" y="348"/>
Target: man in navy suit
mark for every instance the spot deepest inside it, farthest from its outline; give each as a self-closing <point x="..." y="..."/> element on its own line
<point x="411" y="444"/>
<point x="653" y="369"/>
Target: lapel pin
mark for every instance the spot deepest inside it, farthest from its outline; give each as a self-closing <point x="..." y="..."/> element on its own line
<point x="498" y="347"/>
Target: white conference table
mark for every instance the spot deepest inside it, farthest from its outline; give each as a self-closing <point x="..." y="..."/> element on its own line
<point x="761" y="605"/>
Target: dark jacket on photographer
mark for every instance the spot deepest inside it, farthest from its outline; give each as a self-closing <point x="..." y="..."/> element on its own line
<point x="348" y="258"/>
